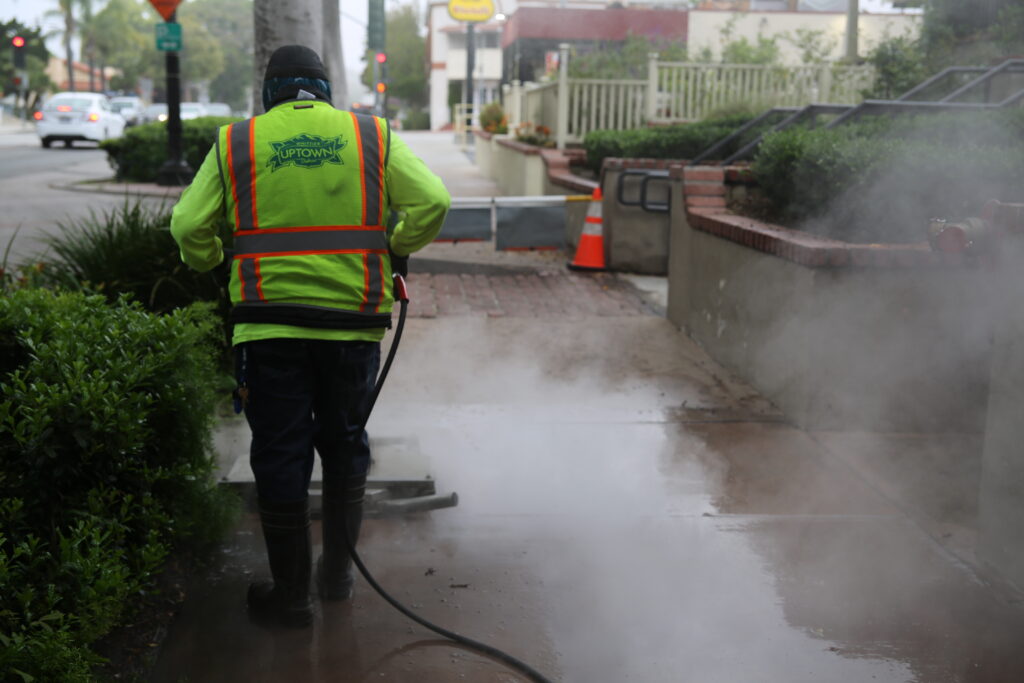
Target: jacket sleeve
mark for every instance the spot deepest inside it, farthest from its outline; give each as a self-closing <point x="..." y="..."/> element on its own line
<point x="197" y="214"/>
<point x="419" y="197"/>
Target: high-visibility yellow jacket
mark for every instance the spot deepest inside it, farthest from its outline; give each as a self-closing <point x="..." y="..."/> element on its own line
<point x="307" y="190"/>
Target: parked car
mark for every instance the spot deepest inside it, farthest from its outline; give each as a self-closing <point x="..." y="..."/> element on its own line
<point x="155" y="112"/>
<point x="192" y="110"/>
<point x="71" y="116"/>
<point x="130" y="107"/>
<point x="218" y="109"/>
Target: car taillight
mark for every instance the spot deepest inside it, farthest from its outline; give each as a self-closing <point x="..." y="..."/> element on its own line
<point x="38" y="116"/>
<point x="94" y="117"/>
<point x="63" y="107"/>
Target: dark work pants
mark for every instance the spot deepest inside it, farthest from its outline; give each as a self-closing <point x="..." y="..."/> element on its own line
<point x="306" y="394"/>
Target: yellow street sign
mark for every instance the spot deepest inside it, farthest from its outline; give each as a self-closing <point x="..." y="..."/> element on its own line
<point x="471" y="10"/>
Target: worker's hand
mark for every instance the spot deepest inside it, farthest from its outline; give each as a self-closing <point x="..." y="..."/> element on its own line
<point x="399" y="264"/>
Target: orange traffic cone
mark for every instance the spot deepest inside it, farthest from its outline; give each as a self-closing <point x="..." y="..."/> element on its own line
<point x="590" y="250"/>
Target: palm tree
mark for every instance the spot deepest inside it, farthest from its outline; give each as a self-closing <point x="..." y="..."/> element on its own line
<point x="87" y="28"/>
<point x="66" y="12"/>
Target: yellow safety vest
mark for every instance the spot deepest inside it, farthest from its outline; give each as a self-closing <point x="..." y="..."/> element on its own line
<point x="305" y="195"/>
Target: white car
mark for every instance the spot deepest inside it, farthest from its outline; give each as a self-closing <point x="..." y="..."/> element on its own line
<point x="130" y="107"/>
<point x="71" y="116"/>
<point x="192" y="110"/>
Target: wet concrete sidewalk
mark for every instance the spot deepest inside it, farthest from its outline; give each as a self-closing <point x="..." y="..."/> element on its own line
<point x="628" y="512"/>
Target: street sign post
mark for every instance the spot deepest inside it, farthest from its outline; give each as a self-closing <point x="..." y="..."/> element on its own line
<point x="472" y="12"/>
<point x="174" y="171"/>
<point x="168" y="36"/>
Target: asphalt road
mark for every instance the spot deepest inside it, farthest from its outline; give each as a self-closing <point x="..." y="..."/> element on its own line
<point x="36" y="195"/>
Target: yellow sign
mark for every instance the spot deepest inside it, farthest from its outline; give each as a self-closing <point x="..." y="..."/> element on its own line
<point x="471" y="10"/>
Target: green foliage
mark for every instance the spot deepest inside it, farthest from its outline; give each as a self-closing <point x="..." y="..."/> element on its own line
<point x="899" y="65"/>
<point x="815" y="45"/>
<point x="742" y="51"/>
<point x="625" y="59"/>
<point x="882" y="181"/>
<point x="669" y="142"/>
<point x="416" y="119"/>
<point x="142" y="150"/>
<point x="229" y="23"/>
<point x="493" y="119"/>
<point x="406" y="51"/>
<point x="129" y="251"/>
<point x="105" y="467"/>
<point x="978" y="32"/>
<point x="124" y="38"/>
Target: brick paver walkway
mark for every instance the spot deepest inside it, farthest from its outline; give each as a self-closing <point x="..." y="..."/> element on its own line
<point x="544" y="294"/>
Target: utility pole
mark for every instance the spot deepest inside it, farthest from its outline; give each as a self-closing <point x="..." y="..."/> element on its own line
<point x="852" y="12"/>
<point x="470" y="65"/>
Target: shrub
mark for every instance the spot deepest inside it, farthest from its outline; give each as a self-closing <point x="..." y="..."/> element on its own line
<point x="683" y="141"/>
<point x="142" y="150"/>
<point x="416" y="119"/>
<point x="105" y="467"/>
<point x="493" y="119"/>
<point x="129" y="250"/>
<point x="881" y="181"/>
<point x="530" y="134"/>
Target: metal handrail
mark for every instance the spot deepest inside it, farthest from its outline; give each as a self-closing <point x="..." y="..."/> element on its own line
<point x="939" y="76"/>
<point x="987" y="76"/>
<point x="738" y="132"/>
<point x="811" y="110"/>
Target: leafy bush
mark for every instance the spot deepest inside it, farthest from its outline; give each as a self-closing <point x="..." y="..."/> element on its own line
<point x="142" y="150"/>
<point x="881" y="181"/>
<point x="899" y="65"/>
<point x="493" y="119"/>
<point x="416" y="119"/>
<point x="538" y="135"/>
<point x="105" y="467"/>
<point x="669" y="142"/>
<point x="129" y="250"/>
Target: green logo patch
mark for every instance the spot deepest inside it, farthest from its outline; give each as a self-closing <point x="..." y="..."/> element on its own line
<point x="306" y="151"/>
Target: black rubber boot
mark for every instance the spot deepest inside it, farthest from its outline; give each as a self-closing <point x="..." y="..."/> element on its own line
<point x="285" y="600"/>
<point x="343" y="509"/>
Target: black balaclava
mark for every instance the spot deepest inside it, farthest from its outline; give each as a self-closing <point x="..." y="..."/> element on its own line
<point x="291" y="69"/>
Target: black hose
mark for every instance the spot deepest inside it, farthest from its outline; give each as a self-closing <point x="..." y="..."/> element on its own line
<point x="483" y="648"/>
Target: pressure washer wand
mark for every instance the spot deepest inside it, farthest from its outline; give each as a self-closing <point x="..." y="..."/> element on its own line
<point x="401" y="294"/>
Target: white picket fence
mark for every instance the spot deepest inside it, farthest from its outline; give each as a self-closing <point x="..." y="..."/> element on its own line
<point x="674" y="92"/>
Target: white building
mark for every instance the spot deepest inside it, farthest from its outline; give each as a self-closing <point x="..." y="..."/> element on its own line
<point x="789" y="22"/>
<point x="709" y="27"/>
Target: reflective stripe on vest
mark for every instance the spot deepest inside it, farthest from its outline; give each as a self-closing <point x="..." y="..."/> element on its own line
<point x="370" y="167"/>
<point x="253" y="243"/>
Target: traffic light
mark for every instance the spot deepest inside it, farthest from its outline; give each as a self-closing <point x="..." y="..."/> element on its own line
<point x="382" y="87"/>
<point x="19" y="51"/>
<point x="381" y="57"/>
<point x="376" y="26"/>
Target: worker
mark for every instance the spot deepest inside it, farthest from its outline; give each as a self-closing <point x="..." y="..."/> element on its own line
<point x="307" y="190"/>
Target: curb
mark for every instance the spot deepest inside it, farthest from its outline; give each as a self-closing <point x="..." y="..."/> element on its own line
<point x="123" y="189"/>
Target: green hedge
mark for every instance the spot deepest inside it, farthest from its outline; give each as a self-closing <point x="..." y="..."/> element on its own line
<point x="129" y="250"/>
<point x="883" y="180"/>
<point x="669" y="142"/>
<point x="142" y="150"/>
<point x="105" y="466"/>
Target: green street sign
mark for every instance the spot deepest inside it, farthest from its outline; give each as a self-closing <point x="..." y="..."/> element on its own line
<point x="168" y="36"/>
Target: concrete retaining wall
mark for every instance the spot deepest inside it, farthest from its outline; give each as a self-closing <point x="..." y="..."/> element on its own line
<point x="839" y="336"/>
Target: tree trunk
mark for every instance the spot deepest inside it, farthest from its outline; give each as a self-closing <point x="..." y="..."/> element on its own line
<point x="70" y="60"/>
<point x="331" y="53"/>
<point x="283" y="22"/>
